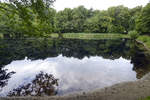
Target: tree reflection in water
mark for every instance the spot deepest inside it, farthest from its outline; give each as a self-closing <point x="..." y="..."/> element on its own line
<point x="4" y="76"/>
<point x="11" y="50"/>
<point x="140" y="58"/>
<point x="43" y="84"/>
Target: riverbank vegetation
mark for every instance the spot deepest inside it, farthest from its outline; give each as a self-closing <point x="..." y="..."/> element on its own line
<point x="93" y="36"/>
<point x="31" y="18"/>
<point x="148" y="98"/>
<point x="145" y="39"/>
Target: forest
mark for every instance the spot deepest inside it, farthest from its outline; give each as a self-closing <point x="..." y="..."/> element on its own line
<point x="37" y="18"/>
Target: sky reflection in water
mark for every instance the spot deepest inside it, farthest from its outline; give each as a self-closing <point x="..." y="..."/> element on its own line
<point x="73" y="74"/>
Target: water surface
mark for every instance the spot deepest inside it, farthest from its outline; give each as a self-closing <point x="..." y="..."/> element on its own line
<point x="80" y="65"/>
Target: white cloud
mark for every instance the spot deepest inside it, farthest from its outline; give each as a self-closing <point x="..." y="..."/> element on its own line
<point x="97" y="4"/>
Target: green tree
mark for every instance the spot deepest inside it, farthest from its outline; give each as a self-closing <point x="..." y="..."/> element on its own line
<point x="80" y="14"/>
<point x="63" y="21"/>
<point x="27" y="17"/>
<point x="100" y="23"/>
<point x="72" y="20"/>
<point x="135" y="13"/>
<point x="143" y="21"/>
<point x="120" y="19"/>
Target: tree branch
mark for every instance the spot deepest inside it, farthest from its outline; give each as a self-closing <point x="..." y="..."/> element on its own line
<point x="1" y="7"/>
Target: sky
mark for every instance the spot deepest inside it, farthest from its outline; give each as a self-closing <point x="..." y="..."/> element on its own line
<point x="97" y="4"/>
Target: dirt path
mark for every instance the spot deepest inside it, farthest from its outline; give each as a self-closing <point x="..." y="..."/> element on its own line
<point x="123" y="91"/>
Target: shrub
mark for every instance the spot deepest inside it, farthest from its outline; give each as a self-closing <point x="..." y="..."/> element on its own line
<point x="133" y="34"/>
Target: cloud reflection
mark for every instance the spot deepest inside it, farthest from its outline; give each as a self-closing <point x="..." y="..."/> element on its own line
<point x="73" y="74"/>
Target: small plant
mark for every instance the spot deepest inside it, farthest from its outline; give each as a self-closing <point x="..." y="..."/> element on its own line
<point x="133" y="34"/>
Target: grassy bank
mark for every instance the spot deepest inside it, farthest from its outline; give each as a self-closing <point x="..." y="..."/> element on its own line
<point x="148" y="98"/>
<point x="1" y="36"/>
<point x="89" y="36"/>
<point x="145" y="39"/>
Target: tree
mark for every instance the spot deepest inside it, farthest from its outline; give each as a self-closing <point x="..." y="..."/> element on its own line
<point x="143" y="21"/>
<point x="24" y="18"/>
<point x="33" y="17"/>
<point x="80" y="14"/>
<point x="120" y="19"/>
<point x="135" y="13"/>
<point x="63" y="21"/>
<point x="99" y="23"/>
<point x="72" y="20"/>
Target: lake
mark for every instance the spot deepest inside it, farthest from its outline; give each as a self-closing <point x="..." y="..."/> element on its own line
<point x="43" y="67"/>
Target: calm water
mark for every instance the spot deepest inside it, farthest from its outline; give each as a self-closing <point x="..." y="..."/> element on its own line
<point x="32" y="67"/>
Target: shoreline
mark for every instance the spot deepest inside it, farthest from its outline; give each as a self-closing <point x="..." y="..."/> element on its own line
<point x="135" y="90"/>
<point x="144" y="45"/>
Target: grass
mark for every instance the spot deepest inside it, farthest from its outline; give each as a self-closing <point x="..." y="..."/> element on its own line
<point x="90" y="35"/>
<point x="97" y="36"/>
<point x="148" y="98"/>
<point x="145" y="39"/>
<point x="54" y="35"/>
<point x="1" y="36"/>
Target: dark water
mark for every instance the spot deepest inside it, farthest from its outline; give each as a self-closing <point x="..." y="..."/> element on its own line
<point x="56" y="67"/>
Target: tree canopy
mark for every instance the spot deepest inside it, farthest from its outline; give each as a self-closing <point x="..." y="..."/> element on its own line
<point x="143" y="21"/>
<point x="25" y="18"/>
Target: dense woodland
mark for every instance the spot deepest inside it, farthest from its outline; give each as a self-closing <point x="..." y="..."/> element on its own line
<point x="26" y="18"/>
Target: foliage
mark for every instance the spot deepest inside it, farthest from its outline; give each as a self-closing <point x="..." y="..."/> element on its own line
<point x="120" y="16"/>
<point x="135" y="13"/>
<point x="63" y="21"/>
<point x="26" y="18"/>
<point x="133" y="34"/>
<point x="145" y="39"/>
<point x="98" y="24"/>
<point x="80" y="19"/>
<point x="143" y="21"/>
<point x="72" y="20"/>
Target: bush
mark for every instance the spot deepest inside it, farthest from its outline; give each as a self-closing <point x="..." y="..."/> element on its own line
<point x="133" y="34"/>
